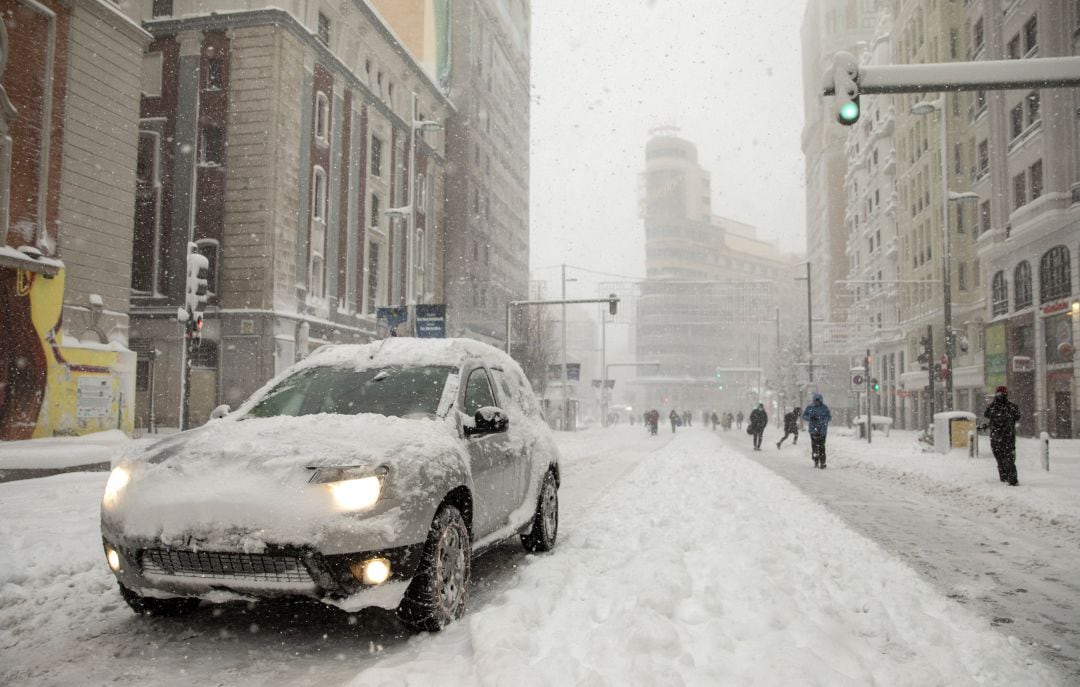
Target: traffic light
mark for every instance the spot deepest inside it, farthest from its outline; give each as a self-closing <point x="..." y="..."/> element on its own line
<point x="719" y="379"/>
<point x="874" y="385"/>
<point x="845" y="75"/>
<point x="195" y="293"/>
<point x="613" y="304"/>
<point x="924" y="352"/>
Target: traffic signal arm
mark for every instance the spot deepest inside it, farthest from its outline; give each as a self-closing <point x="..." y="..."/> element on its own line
<point x="993" y="75"/>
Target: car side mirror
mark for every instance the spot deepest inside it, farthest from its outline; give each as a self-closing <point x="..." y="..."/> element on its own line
<point x="220" y="412"/>
<point x="488" y="420"/>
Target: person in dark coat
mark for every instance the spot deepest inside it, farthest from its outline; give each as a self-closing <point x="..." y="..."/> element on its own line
<point x="791" y="427"/>
<point x="674" y="417"/>
<point x="817" y="417"/>
<point x="652" y="419"/>
<point x="715" y="420"/>
<point x="1002" y="416"/>
<point x="758" y="420"/>
<point x="738" y="420"/>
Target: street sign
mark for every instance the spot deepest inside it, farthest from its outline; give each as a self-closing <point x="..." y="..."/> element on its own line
<point x="858" y="378"/>
<point x="431" y="321"/>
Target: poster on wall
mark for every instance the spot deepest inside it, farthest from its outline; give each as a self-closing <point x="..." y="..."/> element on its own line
<point x="93" y="397"/>
<point x="1059" y="342"/>
<point x="996" y="359"/>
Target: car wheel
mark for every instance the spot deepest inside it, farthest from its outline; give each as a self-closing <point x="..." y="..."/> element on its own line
<point x="165" y="608"/>
<point x="545" y="526"/>
<point x="437" y="594"/>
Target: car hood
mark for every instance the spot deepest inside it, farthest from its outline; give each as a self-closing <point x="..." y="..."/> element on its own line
<point x="244" y="483"/>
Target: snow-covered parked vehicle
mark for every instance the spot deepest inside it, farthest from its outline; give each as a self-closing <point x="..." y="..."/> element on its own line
<point x="366" y="475"/>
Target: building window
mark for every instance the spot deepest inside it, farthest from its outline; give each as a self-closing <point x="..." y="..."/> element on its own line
<point x="318" y="195"/>
<point x="1012" y="50"/>
<point x="421" y="191"/>
<point x="984" y="217"/>
<point x="1031" y="35"/>
<point x="151" y="74"/>
<point x="372" y="278"/>
<point x="215" y="74"/>
<point x="1019" y="190"/>
<point x="1016" y="121"/>
<point x="1022" y="285"/>
<point x="977" y="36"/>
<point x="374" y="211"/>
<point x="1032" y="107"/>
<point x="954" y="43"/>
<point x="984" y="158"/>
<point x="211" y="250"/>
<point x="322" y="117"/>
<point x="212" y="146"/>
<point x="1054" y="279"/>
<point x="1035" y="172"/>
<point x="324" y="29"/>
<point x="318" y="271"/>
<point x="999" y="291"/>
<point x="376" y="157"/>
<point x="961" y="276"/>
<point x="162" y="8"/>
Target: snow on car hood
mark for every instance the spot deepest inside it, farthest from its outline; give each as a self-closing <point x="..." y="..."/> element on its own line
<point x="244" y="483"/>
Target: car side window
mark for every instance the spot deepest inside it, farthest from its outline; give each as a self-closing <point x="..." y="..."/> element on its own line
<point x="516" y="390"/>
<point x="478" y="392"/>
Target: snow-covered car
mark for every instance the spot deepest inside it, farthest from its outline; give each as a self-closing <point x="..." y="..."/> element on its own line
<point x="366" y="475"/>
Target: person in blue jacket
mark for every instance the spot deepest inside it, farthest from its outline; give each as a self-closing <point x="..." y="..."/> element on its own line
<point x="817" y="416"/>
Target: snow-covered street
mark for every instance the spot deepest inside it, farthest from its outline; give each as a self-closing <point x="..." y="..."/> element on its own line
<point x="681" y="560"/>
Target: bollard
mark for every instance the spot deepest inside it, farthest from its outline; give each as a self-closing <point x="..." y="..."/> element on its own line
<point x="1044" y="450"/>
<point x="973" y="444"/>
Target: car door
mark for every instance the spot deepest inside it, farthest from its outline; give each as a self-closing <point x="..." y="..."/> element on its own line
<point x="487" y="453"/>
<point x="513" y="401"/>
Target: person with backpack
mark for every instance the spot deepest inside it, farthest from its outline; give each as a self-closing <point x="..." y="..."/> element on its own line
<point x="817" y="417"/>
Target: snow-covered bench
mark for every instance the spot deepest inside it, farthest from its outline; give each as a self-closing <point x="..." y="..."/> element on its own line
<point x="878" y="422"/>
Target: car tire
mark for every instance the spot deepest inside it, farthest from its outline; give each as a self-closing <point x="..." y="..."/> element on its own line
<point x="162" y="608"/>
<point x="545" y="525"/>
<point x="438" y="592"/>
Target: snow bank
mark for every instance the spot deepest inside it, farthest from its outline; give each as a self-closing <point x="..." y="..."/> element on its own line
<point x="63" y="452"/>
<point x="704" y="568"/>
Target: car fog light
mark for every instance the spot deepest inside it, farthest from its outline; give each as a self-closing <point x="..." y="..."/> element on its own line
<point x="374" y="571"/>
<point x="114" y="559"/>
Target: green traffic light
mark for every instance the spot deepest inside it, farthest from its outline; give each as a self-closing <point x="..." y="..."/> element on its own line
<point x="849" y="112"/>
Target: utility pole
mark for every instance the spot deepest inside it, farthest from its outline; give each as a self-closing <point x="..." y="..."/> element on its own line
<point x="565" y="395"/>
<point x="809" y="323"/>
<point x="869" y="400"/>
<point x="930" y="368"/>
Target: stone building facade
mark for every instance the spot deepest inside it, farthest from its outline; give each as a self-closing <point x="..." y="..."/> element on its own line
<point x="277" y="140"/>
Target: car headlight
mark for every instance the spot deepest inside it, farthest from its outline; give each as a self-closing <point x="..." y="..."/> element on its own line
<point x="118" y="479"/>
<point x="349" y="490"/>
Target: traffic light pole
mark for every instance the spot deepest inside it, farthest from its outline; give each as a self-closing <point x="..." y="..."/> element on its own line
<point x="185" y="405"/>
<point x="930" y="372"/>
<point x="869" y="399"/>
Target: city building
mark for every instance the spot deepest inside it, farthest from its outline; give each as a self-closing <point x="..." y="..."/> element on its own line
<point x="482" y="64"/>
<point x="296" y="144"/>
<point x="872" y="288"/>
<point x="710" y="306"/>
<point x="69" y="108"/>
<point x="829" y="26"/>
<point x="928" y="207"/>
<point x="1025" y="167"/>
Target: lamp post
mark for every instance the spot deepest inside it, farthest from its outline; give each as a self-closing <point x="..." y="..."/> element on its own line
<point x="941" y="106"/>
<point x="410" y="219"/>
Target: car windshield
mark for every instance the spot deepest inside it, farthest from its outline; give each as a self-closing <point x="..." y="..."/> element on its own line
<point x="396" y="391"/>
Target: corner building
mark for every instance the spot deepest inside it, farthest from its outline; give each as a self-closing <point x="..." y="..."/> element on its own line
<point x="275" y="137"/>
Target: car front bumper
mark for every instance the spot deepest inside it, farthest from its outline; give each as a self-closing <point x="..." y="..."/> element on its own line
<point x="150" y="568"/>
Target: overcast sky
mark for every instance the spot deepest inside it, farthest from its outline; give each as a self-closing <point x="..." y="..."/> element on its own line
<point x="604" y="72"/>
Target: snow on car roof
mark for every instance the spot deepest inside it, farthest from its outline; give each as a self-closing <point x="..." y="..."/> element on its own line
<point x="407" y="351"/>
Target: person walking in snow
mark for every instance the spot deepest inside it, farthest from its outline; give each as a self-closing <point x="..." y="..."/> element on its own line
<point x="1002" y="416"/>
<point x="817" y="417"/>
<point x="715" y="420"/>
<point x="652" y="420"/>
<point x="758" y="420"/>
<point x="738" y="420"/>
<point x="674" y="417"/>
<point x="791" y="427"/>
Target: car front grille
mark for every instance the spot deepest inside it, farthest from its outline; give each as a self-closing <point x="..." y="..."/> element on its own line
<point x="248" y="567"/>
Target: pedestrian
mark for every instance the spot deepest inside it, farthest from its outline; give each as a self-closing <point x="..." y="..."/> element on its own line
<point x="1002" y="416"/>
<point x="728" y="420"/>
<point x="791" y="427"/>
<point x="715" y="420"/>
<point x="758" y="420"/>
<point x="674" y="417"/>
<point x="738" y="420"/>
<point x="817" y="417"/>
<point x="652" y="421"/>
